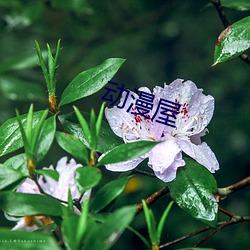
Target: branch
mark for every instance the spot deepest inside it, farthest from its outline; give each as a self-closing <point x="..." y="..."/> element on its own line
<point x="226" y="23"/>
<point x="235" y="220"/>
<point x="152" y="198"/>
<point x="223" y="192"/>
<point x="144" y="173"/>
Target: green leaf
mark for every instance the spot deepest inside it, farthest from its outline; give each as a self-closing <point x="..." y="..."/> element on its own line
<point x="90" y="81"/>
<point x="92" y="127"/>
<point x="46" y="138"/>
<point x="107" y="139"/>
<point x="108" y="193"/>
<point x="20" y="204"/>
<point x="99" y="121"/>
<point x="143" y="239"/>
<point x="69" y="230"/>
<point x="16" y="240"/>
<point x="10" y="136"/>
<point x="233" y="41"/>
<point x="195" y="248"/>
<point x="8" y="176"/>
<point x="105" y="235"/>
<point x="151" y="223"/>
<point x="19" y="90"/>
<point x="87" y="177"/>
<point x="241" y="5"/>
<point x="84" y="125"/>
<point x="73" y="146"/>
<point x="53" y="174"/>
<point x="193" y="191"/>
<point x="127" y="152"/>
<point x="162" y="221"/>
<point x="18" y="162"/>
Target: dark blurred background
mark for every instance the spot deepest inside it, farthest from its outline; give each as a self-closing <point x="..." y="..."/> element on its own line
<point x="161" y="41"/>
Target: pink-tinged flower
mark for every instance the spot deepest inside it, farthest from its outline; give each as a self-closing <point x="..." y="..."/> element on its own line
<point x="195" y="112"/>
<point x="58" y="189"/>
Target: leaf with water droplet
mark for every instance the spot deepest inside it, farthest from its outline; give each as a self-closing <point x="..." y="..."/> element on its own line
<point x="232" y="41"/>
<point x="193" y="190"/>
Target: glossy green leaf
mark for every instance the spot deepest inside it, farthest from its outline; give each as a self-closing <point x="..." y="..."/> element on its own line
<point x="108" y="193"/>
<point x="18" y="162"/>
<point x="127" y="152"/>
<point x="8" y="176"/>
<point x="107" y="139"/>
<point x="233" y="41"/>
<point x="193" y="191"/>
<point x="16" y="240"/>
<point x="20" y="204"/>
<point x="46" y="138"/>
<point x="10" y="136"/>
<point x="90" y="81"/>
<point x="19" y="90"/>
<point x="87" y="177"/>
<point x="105" y="235"/>
<point x="73" y="146"/>
<point x="241" y="5"/>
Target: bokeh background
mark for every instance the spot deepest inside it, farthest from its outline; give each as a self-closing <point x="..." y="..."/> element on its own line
<point x="161" y="41"/>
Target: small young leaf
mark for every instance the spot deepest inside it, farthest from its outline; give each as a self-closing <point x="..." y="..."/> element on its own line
<point x="108" y="193"/>
<point x="162" y="221"/>
<point x="105" y="235"/>
<point x="233" y="41"/>
<point x="73" y="146"/>
<point x="107" y="138"/>
<point x="127" y="152"/>
<point x="193" y="191"/>
<point x="150" y="219"/>
<point x="99" y="121"/>
<point x="90" y="81"/>
<point x="87" y="177"/>
<point x="92" y="126"/>
<point x="84" y="125"/>
<point x="46" y="137"/>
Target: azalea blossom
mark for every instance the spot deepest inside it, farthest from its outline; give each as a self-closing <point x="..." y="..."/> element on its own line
<point x="58" y="189"/>
<point x="195" y="113"/>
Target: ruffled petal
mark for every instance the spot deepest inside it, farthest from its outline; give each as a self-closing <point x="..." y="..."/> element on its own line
<point x="196" y="108"/>
<point x="201" y="153"/>
<point x="126" y="165"/>
<point x="21" y="225"/>
<point x="165" y="158"/>
<point x="29" y="187"/>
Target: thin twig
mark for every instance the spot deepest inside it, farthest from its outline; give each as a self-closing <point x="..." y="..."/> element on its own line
<point x="224" y="211"/>
<point x="152" y="198"/>
<point x="226" y="23"/>
<point x="235" y="220"/>
<point x="144" y="173"/>
<point x="223" y="192"/>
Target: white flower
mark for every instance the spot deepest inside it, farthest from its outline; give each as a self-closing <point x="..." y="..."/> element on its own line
<point x="196" y="111"/>
<point x="58" y="189"/>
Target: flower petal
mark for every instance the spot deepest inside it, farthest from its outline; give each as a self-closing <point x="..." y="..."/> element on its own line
<point x="165" y="158"/>
<point x="29" y="187"/>
<point x="196" y="110"/>
<point x="201" y="153"/>
<point x="126" y="165"/>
